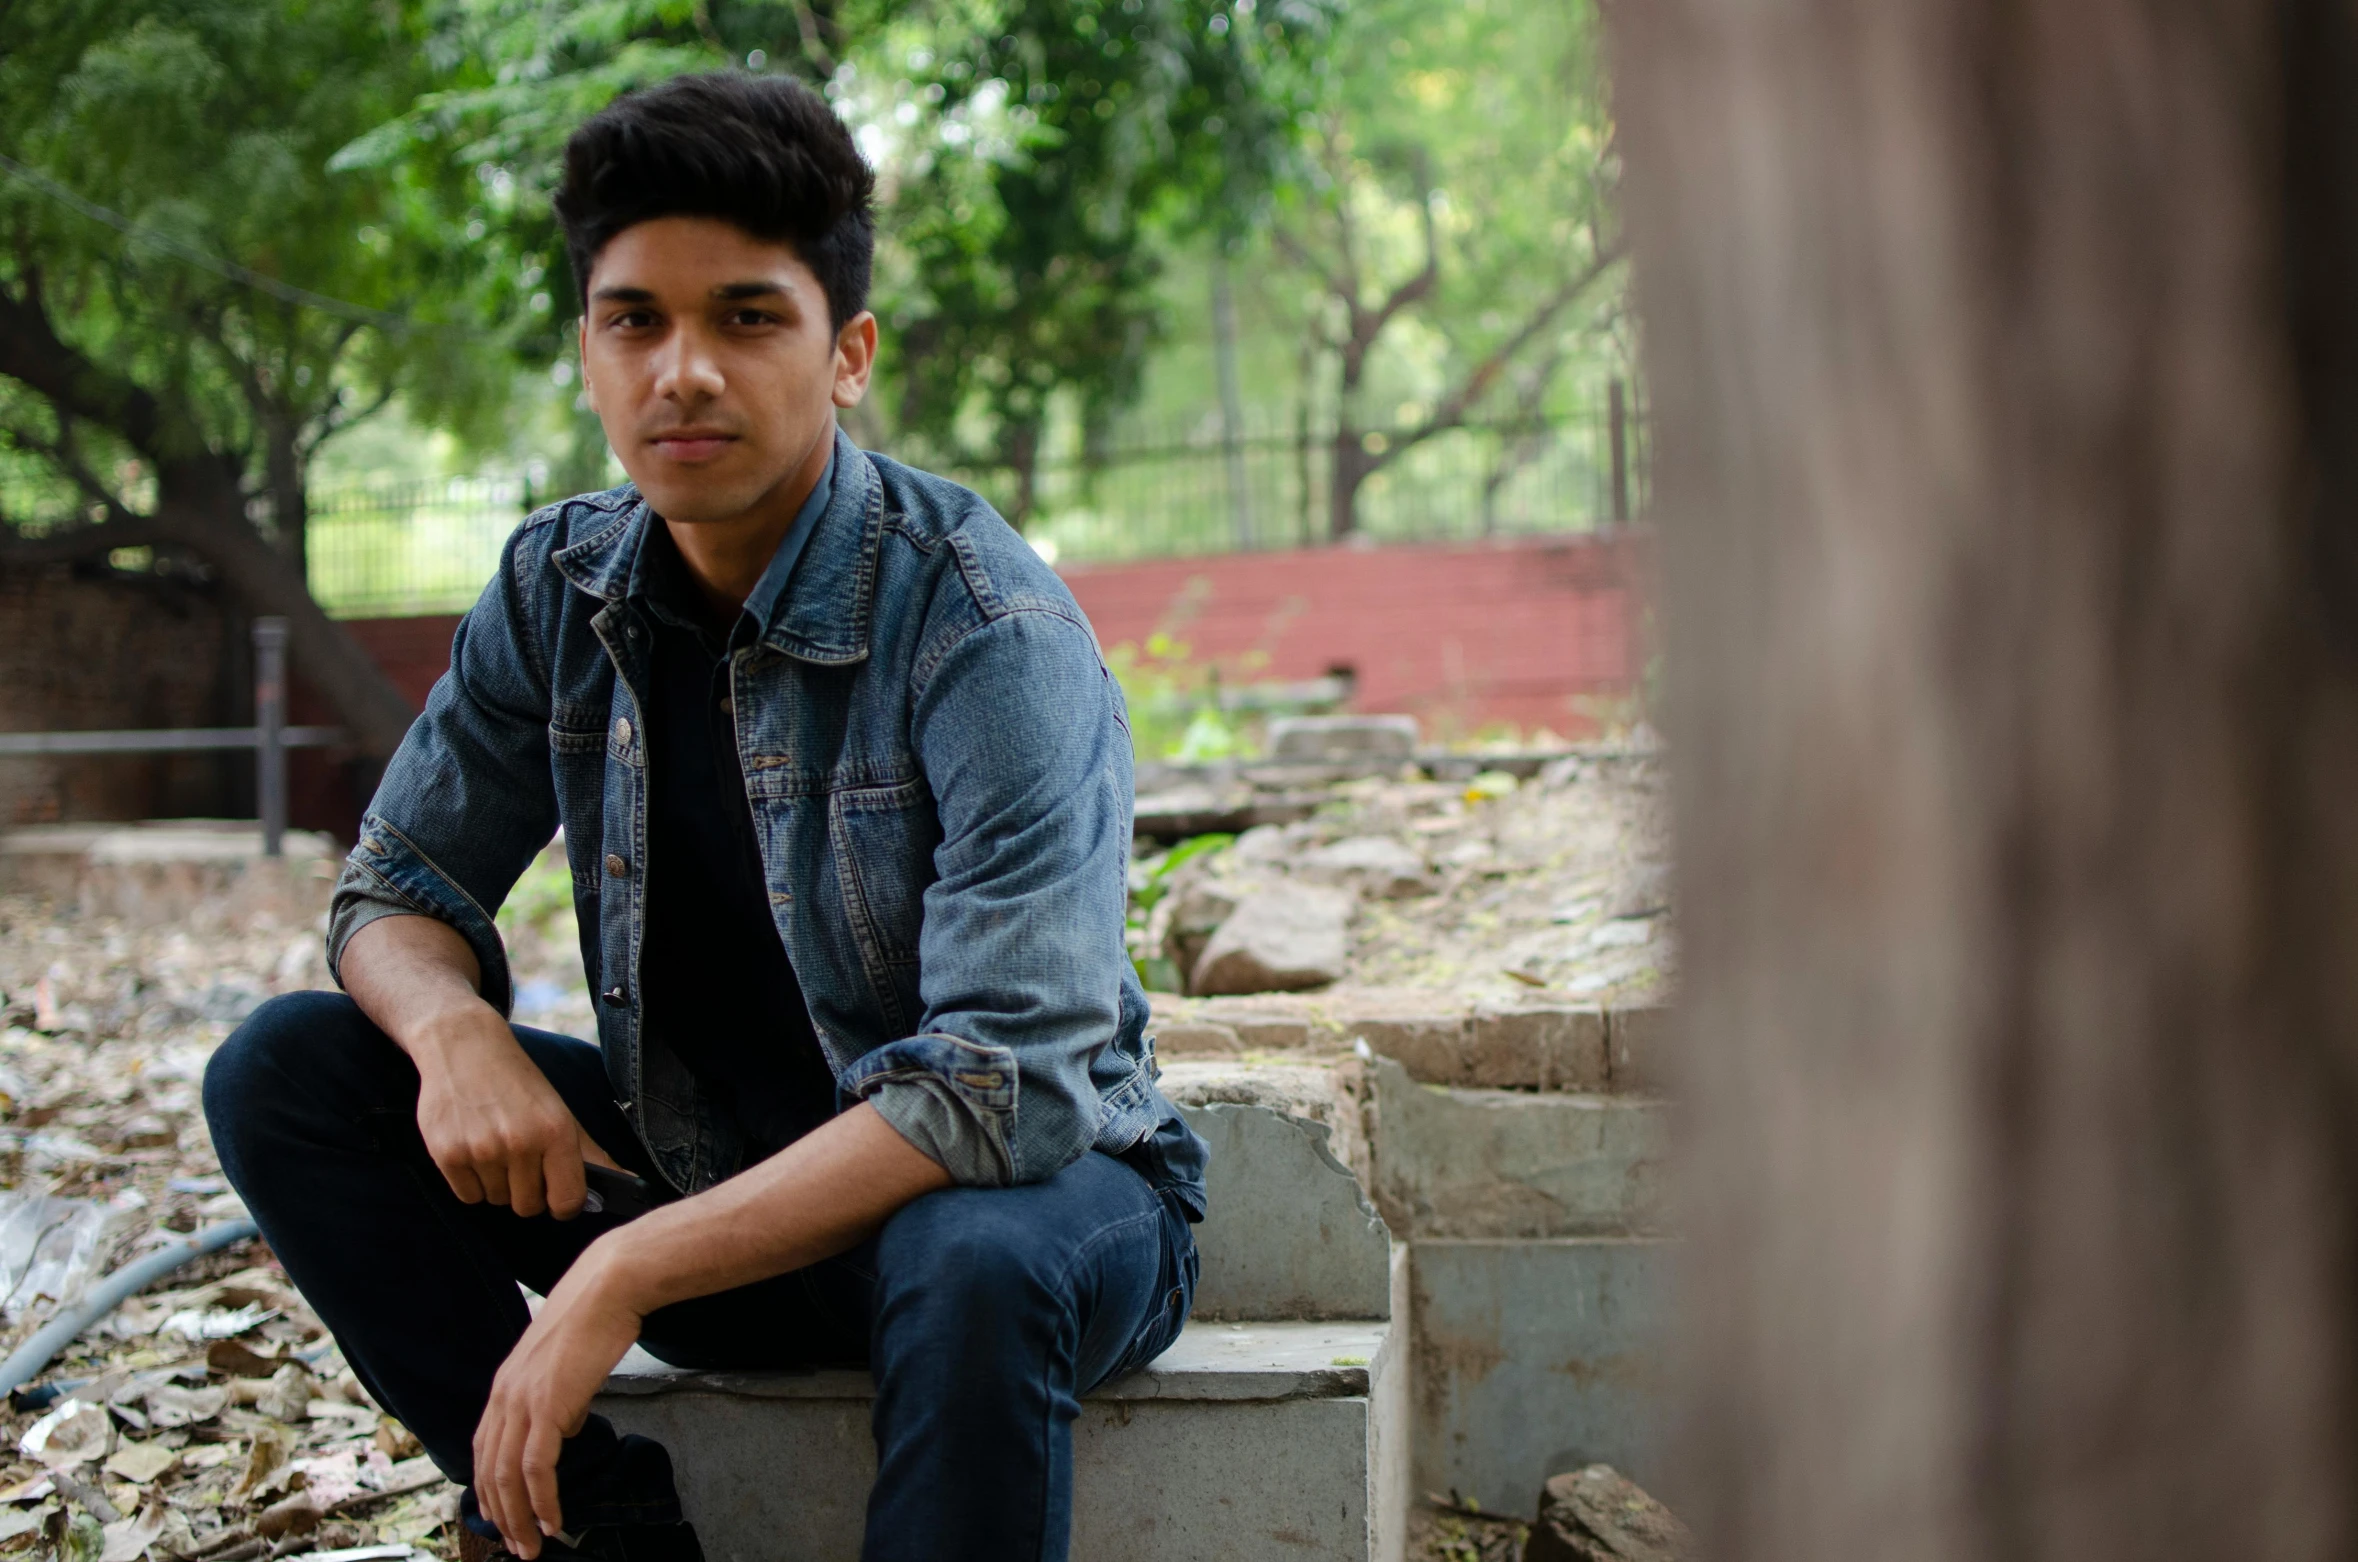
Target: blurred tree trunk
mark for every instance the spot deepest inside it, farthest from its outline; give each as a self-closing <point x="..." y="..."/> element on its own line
<point x="2005" y="365"/>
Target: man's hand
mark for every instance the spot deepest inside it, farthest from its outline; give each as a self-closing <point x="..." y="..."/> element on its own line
<point x="820" y="1195"/>
<point x="495" y="1126"/>
<point x="542" y="1395"/>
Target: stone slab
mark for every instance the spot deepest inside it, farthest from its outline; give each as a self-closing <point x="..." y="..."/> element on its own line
<point x="1284" y="1440"/>
<point x="1289" y="1233"/>
<point x="1522" y="1048"/>
<point x="1533" y="1358"/>
<point x="209" y="873"/>
<point x="1506" y="1164"/>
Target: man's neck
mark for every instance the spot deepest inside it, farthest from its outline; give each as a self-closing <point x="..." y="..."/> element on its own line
<point x="725" y="558"/>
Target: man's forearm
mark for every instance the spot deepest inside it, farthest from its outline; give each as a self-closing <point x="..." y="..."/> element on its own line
<point x="415" y="978"/>
<point x="817" y="1197"/>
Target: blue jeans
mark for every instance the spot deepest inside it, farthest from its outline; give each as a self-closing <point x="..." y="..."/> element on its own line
<point x="984" y="1313"/>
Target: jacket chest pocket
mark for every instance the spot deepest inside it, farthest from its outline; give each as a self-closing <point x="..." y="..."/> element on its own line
<point x="883" y="839"/>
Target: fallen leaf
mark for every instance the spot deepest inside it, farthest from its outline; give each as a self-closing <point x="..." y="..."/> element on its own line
<point x="128" y="1539"/>
<point x="140" y="1463"/>
<point x="73" y="1433"/>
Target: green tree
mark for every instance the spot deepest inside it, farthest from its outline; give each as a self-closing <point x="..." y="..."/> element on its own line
<point x="1033" y="150"/>
<point x="1456" y="208"/>
<point x="191" y="301"/>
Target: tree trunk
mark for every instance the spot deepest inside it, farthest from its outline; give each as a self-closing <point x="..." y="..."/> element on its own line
<point x="2005" y="374"/>
<point x="1349" y="468"/>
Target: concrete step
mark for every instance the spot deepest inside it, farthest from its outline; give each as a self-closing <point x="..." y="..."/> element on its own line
<point x="1243" y="1441"/>
<point x="1276" y="1426"/>
<point x="1450" y="1162"/>
<point x="1532" y="1358"/>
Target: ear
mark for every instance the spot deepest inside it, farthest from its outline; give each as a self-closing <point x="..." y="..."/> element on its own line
<point x="855" y="359"/>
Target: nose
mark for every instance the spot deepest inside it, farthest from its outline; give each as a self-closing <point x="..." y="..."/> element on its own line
<point x="687" y="371"/>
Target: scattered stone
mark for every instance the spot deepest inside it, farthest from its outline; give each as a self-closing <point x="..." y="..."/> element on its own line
<point x="1374" y="865"/>
<point x="1379" y="742"/>
<point x="1196" y="913"/>
<point x="1283" y="938"/>
<point x="1600" y="1515"/>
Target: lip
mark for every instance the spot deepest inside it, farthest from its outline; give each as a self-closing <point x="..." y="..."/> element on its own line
<point x="692" y="445"/>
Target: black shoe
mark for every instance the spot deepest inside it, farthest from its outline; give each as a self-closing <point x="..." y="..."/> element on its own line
<point x="598" y="1543"/>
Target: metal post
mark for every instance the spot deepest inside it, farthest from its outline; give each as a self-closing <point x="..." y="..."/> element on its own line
<point x="1617" y="414"/>
<point x="270" y="730"/>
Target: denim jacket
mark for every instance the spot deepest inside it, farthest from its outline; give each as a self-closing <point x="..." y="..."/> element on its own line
<point x="938" y="766"/>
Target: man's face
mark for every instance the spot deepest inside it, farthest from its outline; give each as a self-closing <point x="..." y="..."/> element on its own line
<point x="709" y="359"/>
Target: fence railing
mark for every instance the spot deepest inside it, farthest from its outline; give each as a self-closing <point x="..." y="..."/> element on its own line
<point x="390" y="550"/>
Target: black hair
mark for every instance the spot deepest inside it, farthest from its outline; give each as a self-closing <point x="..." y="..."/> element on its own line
<point x="763" y="152"/>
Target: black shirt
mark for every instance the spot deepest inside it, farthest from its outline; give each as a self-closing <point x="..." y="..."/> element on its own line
<point x="716" y="984"/>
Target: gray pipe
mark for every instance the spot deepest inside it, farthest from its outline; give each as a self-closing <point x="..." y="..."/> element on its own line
<point x="108" y="1294"/>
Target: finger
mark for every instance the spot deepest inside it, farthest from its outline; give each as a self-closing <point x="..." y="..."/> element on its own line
<point x="461" y="1176"/>
<point x="515" y="1505"/>
<point x="541" y="1447"/>
<point x="525" y="1195"/>
<point x="562" y="1175"/>
<point x="493" y="1172"/>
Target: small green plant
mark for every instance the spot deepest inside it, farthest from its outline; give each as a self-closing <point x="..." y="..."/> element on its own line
<point x="1174" y="702"/>
<point x="1150" y="881"/>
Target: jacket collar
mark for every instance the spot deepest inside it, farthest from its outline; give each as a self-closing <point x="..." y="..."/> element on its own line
<point x="825" y="611"/>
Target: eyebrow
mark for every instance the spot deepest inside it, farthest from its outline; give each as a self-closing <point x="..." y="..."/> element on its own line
<point x="729" y="292"/>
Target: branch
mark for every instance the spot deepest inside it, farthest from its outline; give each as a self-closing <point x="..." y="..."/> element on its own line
<point x="1424" y="281"/>
<point x="126" y="531"/>
<point x="1451" y="411"/>
<point x="32" y="353"/>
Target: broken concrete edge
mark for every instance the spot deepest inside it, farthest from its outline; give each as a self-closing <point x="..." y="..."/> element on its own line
<point x="1571" y="1049"/>
<point x="1291" y="1233"/>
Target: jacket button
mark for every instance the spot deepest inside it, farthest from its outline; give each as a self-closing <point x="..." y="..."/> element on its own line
<point x="615" y="996"/>
<point x="622" y="730"/>
<point x="728" y="705"/>
<point x="616" y="868"/>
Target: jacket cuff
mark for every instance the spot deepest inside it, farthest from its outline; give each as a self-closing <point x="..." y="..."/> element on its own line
<point x="387" y="877"/>
<point x="952" y="1098"/>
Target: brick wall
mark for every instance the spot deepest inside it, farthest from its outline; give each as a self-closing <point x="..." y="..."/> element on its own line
<point x="1528" y="633"/>
<point x="1533" y="633"/>
<point x="90" y="650"/>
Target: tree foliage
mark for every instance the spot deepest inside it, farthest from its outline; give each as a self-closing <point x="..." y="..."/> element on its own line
<point x="168" y="385"/>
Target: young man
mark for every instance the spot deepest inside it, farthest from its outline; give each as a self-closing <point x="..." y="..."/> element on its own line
<point x="845" y="788"/>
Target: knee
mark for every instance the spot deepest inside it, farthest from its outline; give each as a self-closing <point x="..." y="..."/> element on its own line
<point x="966" y="1254"/>
<point x="281" y="1044"/>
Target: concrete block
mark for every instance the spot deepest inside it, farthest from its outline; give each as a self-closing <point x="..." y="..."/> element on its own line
<point x="1289" y="1233"/>
<point x="1640" y="1040"/>
<point x="1254" y="1441"/>
<point x="1533" y="1358"/>
<point x="1432" y="1047"/>
<point x="208" y="873"/>
<point x="1196" y="1039"/>
<point x="1508" y="1163"/>
<point x="1380" y="742"/>
<point x="1535" y="1049"/>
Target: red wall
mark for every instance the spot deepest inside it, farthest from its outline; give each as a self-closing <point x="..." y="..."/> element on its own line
<point x="1528" y="633"/>
<point x="1532" y="633"/>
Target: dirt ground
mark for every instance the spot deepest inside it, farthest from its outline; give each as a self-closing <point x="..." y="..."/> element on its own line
<point x="232" y="1429"/>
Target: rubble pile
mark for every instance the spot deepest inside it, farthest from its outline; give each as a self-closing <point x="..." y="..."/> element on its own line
<point x="211" y="1417"/>
<point x="1495" y="885"/>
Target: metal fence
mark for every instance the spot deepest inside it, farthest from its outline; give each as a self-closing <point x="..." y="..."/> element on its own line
<point x="390" y="550"/>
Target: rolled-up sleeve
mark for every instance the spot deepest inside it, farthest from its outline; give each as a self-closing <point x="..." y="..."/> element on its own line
<point x="1021" y="734"/>
<point x="468" y="797"/>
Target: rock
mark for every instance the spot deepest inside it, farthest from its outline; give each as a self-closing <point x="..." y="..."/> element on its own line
<point x="1600" y="1515"/>
<point x="1647" y="892"/>
<point x="1377" y="742"/>
<point x="1375" y="865"/>
<point x="1197" y="911"/>
<point x="1279" y="939"/>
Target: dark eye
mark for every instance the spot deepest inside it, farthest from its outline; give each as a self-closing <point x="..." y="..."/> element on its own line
<point x="632" y="319"/>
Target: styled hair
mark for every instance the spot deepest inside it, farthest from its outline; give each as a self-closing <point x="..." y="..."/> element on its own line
<point x="765" y="153"/>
